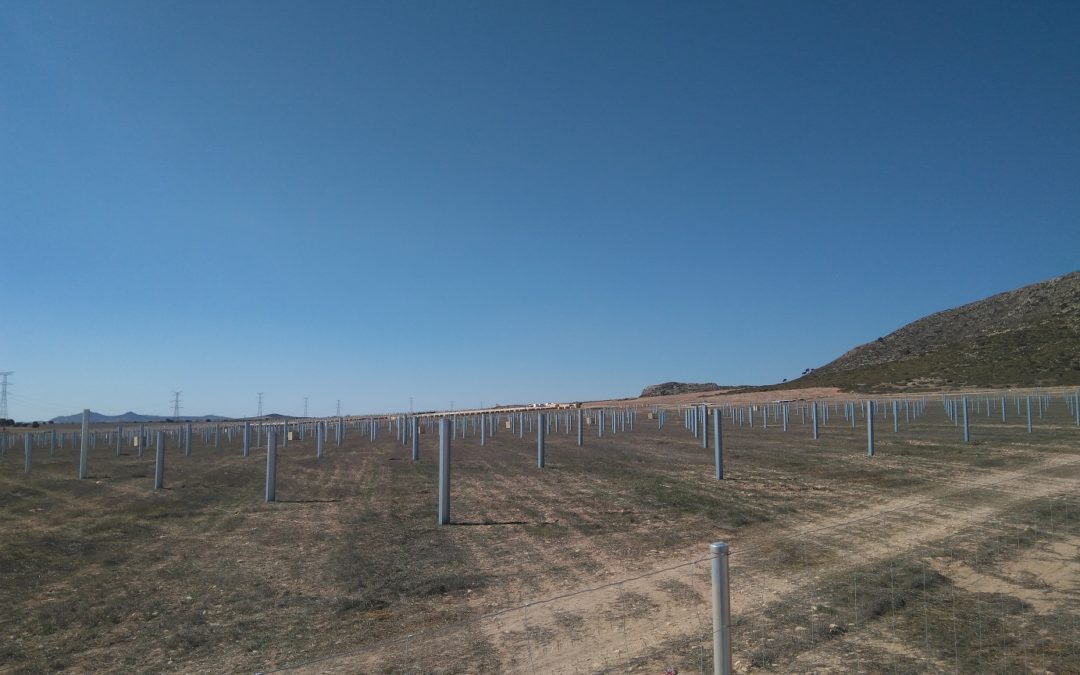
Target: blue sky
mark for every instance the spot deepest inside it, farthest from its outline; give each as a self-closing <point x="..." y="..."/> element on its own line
<point x="510" y="201"/>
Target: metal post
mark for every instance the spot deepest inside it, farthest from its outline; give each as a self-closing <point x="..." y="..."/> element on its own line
<point x="320" y="439"/>
<point x="1029" y="414"/>
<point x="119" y="439"/>
<point x="580" y="428"/>
<point x="415" y="438"/>
<point x="721" y="609"/>
<point x="869" y="428"/>
<point x="271" y="464"/>
<point x="483" y="429"/>
<point x="84" y="447"/>
<point x="813" y="418"/>
<point x="718" y="443"/>
<point x="541" y="429"/>
<point x="444" y="471"/>
<point x="895" y="418"/>
<point x="703" y="413"/>
<point x="967" y="426"/>
<point x="159" y="462"/>
<point x="27" y="451"/>
<point x="247" y="439"/>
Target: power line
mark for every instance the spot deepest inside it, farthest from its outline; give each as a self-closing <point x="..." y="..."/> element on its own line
<point x="176" y="404"/>
<point x="3" y="392"/>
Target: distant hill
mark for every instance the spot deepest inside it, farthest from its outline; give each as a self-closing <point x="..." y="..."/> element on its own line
<point x="669" y="388"/>
<point x="130" y="417"/>
<point x="1025" y="337"/>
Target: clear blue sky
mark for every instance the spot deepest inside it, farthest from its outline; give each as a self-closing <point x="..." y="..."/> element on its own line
<point x="510" y="201"/>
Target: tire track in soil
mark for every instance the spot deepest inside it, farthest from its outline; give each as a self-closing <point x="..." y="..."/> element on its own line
<point x="589" y="648"/>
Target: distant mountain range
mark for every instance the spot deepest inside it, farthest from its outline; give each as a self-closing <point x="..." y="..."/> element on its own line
<point x="98" y="418"/>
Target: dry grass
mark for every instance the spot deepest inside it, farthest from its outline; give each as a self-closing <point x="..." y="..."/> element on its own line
<point x="106" y="575"/>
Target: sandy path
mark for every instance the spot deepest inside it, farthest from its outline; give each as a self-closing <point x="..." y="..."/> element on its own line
<point x="590" y="630"/>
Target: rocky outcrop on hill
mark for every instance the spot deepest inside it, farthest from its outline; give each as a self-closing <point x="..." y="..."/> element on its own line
<point x="669" y="388"/>
<point x="1029" y="336"/>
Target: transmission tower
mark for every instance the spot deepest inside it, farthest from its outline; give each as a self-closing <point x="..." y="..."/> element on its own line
<point x="259" y="414"/>
<point x="176" y="404"/>
<point x="3" y="392"/>
<point x="305" y="406"/>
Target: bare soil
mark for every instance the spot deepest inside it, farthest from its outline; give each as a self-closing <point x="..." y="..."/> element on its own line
<point x="596" y="563"/>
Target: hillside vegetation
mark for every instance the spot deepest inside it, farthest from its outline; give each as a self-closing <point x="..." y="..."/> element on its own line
<point x="1025" y="337"/>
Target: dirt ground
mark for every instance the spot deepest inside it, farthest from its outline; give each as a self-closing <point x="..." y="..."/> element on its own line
<point x="932" y="556"/>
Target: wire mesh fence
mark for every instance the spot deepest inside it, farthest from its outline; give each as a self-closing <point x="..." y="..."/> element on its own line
<point x="952" y="549"/>
<point x="979" y="578"/>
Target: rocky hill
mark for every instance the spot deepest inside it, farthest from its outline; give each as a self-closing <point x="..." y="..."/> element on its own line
<point x="1025" y="337"/>
<point x="669" y="388"/>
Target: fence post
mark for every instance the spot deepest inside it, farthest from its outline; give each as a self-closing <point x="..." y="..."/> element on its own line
<point x="869" y="427"/>
<point x="721" y="609"/>
<point x="444" y="471"/>
<point x="813" y="418"/>
<point x="84" y="442"/>
<point x="271" y="464"/>
<point x="581" y="427"/>
<point x="159" y="462"/>
<point x="415" y="438"/>
<point x="967" y="426"/>
<point x="718" y="442"/>
<point x="27" y="450"/>
<point x="541" y="430"/>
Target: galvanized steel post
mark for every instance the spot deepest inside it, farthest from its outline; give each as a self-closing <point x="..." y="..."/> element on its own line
<point x="721" y="609"/>
<point x="718" y="443"/>
<point x="967" y="425"/>
<point x="813" y="418"/>
<point x="580" y="427"/>
<point x="444" y="471"/>
<point x="27" y="451"/>
<point x="84" y="442"/>
<point x="415" y="438"/>
<point x="159" y="462"/>
<point x="271" y="464"/>
<point x="541" y="431"/>
<point x="869" y="428"/>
